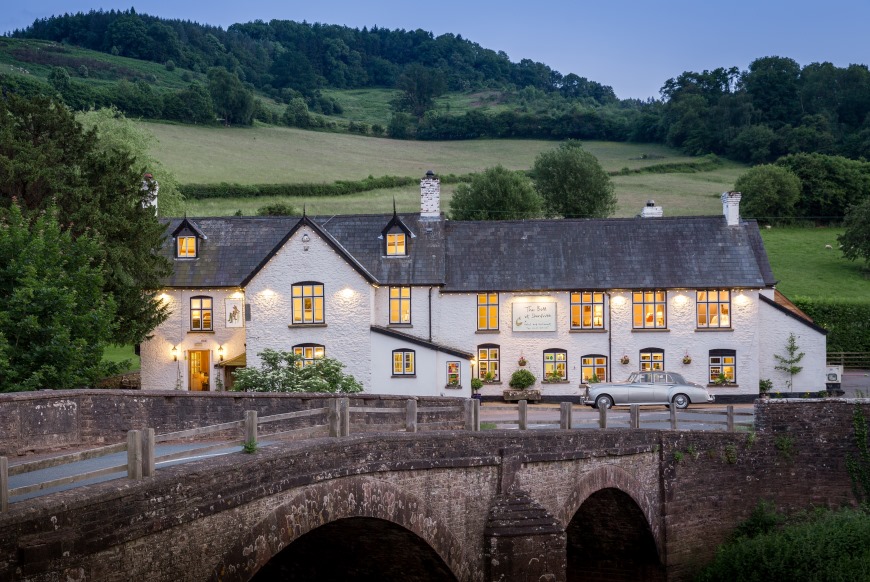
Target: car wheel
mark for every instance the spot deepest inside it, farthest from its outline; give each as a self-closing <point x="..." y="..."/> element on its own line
<point x="681" y="401"/>
<point x="603" y="401"/>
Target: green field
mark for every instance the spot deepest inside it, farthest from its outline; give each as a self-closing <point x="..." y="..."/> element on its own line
<point x="121" y="353"/>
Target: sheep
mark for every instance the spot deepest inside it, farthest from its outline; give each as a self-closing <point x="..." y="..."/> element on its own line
<point x="829" y="247"/>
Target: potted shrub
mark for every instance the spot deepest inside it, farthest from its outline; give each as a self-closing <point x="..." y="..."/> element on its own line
<point x="765" y="385"/>
<point x="519" y="383"/>
<point x="553" y="377"/>
<point x="476" y="385"/>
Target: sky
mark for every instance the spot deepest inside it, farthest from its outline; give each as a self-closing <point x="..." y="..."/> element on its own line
<point x="633" y="46"/>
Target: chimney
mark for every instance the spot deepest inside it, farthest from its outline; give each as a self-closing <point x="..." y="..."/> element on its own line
<point x="430" y="196"/>
<point x="731" y="207"/>
<point x="651" y="210"/>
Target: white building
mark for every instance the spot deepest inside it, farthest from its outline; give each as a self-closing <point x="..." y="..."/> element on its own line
<point x="417" y="304"/>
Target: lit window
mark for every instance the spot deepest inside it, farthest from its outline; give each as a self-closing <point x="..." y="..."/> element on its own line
<point x="186" y="247"/>
<point x="308" y="303"/>
<point x="396" y="244"/>
<point x="453" y="374"/>
<point x="403" y="363"/>
<point x="714" y="308"/>
<point x="309" y="353"/>
<point x="593" y="368"/>
<point x="200" y="313"/>
<point x="587" y="310"/>
<point x="555" y="365"/>
<point x="487" y="362"/>
<point x="723" y="366"/>
<point x="400" y="305"/>
<point x="487" y="311"/>
<point x="649" y="310"/>
<point x="652" y="359"/>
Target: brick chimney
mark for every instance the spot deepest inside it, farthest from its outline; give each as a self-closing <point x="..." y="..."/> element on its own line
<point x="430" y="196"/>
<point x="731" y="207"/>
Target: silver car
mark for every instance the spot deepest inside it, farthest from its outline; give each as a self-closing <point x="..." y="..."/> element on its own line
<point x="647" y="388"/>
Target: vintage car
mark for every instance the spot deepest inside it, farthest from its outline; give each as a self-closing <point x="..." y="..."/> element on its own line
<point x="657" y="387"/>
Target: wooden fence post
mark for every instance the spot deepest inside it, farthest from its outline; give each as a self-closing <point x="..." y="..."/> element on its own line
<point x="523" y="410"/>
<point x="134" y="454"/>
<point x="4" y="484"/>
<point x="673" y="413"/>
<point x="333" y="418"/>
<point x="730" y="419"/>
<point x="411" y="415"/>
<point x="250" y="427"/>
<point x="148" y="452"/>
<point x="344" y="416"/>
<point x="602" y="417"/>
<point x="565" y="416"/>
<point x="634" y="416"/>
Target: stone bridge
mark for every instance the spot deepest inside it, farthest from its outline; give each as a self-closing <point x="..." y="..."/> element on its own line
<point x="490" y="506"/>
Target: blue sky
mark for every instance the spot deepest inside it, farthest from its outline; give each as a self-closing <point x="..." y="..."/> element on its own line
<point x="633" y="46"/>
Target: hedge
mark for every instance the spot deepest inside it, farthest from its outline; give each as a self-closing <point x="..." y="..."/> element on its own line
<point x="847" y="322"/>
<point x="338" y="188"/>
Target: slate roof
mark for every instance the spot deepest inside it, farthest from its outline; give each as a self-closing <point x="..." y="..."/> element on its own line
<point x="630" y="253"/>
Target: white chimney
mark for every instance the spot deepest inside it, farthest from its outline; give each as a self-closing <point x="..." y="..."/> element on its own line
<point x="430" y="196"/>
<point x="651" y="210"/>
<point x="731" y="207"/>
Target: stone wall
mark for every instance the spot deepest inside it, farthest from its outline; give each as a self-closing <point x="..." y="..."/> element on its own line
<point x="48" y="419"/>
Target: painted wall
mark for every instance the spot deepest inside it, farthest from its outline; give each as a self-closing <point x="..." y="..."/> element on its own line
<point x="774" y="329"/>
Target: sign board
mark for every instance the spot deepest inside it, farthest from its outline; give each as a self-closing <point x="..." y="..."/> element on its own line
<point x="235" y="313"/>
<point x="534" y="315"/>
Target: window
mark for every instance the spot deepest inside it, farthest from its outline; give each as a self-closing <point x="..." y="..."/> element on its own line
<point x="714" y="308"/>
<point x="649" y="309"/>
<point x="396" y="244"/>
<point x="308" y="303"/>
<point x="186" y="247"/>
<point x="723" y="365"/>
<point x="309" y="353"/>
<point x="403" y="363"/>
<point x="487" y="311"/>
<point x="200" y="313"/>
<point x="555" y="365"/>
<point x="593" y="365"/>
<point x="652" y="359"/>
<point x="400" y="305"/>
<point x="453" y="375"/>
<point x="587" y="310"/>
<point x="487" y="362"/>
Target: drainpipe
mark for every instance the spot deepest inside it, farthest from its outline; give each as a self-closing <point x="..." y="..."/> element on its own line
<point x="609" y="339"/>
<point x="430" y="314"/>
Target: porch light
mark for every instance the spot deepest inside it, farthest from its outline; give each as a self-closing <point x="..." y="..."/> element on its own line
<point x="174" y="353"/>
<point x="619" y="300"/>
<point x="221" y="353"/>
<point x="347" y="293"/>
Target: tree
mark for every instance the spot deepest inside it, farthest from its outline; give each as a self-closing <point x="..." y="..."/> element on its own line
<point x="296" y="114"/>
<point x="789" y="362"/>
<point x="420" y="85"/>
<point x="496" y="194"/>
<point x="54" y="317"/>
<point x="284" y="372"/>
<point x="855" y="241"/>
<point x="769" y="193"/>
<point x="47" y="159"/>
<point x="572" y="183"/>
<point x="829" y="184"/>
<point x="232" y="100"/>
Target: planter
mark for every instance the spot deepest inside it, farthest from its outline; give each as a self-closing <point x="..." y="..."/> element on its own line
<point x="477" y="396"/>
<point x="517" y="395"/>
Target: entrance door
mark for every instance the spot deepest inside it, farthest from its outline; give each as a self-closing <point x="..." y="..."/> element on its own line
<point x="198" y="368"/>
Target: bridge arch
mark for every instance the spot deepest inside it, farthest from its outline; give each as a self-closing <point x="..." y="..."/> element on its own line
<point x="613" y="477"/>
<point x="324" y="503"/>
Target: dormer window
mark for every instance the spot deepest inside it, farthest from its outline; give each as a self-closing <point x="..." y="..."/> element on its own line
<point x="396" y="245"/>
<point x="186" y="247"/>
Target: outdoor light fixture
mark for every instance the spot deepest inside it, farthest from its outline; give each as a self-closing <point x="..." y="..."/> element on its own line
<point x="221" y="353"/>
<point x="174" y="353"/>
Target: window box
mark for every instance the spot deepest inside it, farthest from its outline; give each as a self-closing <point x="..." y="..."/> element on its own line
<point x="511" y="395"/>
<point x="453" y="387"/>
<point x="545" y="381"/>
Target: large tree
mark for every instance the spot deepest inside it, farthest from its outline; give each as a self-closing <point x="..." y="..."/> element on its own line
<point x="496" y="194"/>
<point x="232" y="100"/>
<point x="855" y="241"/>
<point x="54" y="317"/>
<point x="769" y="193"/>
<point x="573" y="184"/>
<point x="830" y="184"/>
<point x="47" y="159"/>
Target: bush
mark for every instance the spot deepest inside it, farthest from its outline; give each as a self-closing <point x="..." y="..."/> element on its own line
<point x="277" y="209"/>
<point x="847" y="322"/>
<point x="522" y="379"/>
<point x="282" y="372"/>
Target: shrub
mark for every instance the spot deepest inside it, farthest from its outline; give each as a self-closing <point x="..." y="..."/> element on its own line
<point x="283" y="372"/>
<point x="476" y="384"/>
<point x="277" y="209"/>
<point x="521" y="379"/>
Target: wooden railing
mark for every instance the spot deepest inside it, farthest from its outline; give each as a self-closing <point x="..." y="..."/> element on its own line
<point x="849" y="359"/>
<point x="333" y="420"/>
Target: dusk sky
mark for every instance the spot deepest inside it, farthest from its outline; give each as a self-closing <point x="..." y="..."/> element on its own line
<point x="632" y="46"/>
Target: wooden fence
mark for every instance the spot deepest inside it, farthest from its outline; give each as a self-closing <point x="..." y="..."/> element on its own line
<point x="857" y="360"/>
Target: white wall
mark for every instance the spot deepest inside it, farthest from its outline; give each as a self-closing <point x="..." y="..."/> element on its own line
<point x="347" y="305"/>
<point x="775" y="327"/>
<point x="431" y="370"/>
<point x="159" y="371"/>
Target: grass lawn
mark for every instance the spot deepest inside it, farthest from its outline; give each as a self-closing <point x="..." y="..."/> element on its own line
<point x="121" y="353"/>
<point x="806" y="268"/>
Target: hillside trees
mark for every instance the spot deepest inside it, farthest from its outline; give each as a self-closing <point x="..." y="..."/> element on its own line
<point x="496" y="194"/>
<point x="233" y="102"/>
<point x="855" y="241"/>
<point x="829" y="184"/>
<point x="572" y="183"/>
<point x="48" y="160"/>
<point x="420" y="86"/>
<point x="769" y="192"/>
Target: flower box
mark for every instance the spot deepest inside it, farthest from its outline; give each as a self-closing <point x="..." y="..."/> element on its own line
<point x="511" y="395"/>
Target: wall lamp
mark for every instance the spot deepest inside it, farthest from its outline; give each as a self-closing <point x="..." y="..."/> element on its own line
<point x="221" y="353"/>
<point x="174" y="353"/>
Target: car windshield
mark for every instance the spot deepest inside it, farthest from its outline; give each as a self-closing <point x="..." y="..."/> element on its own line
<point x="632" y="377"/>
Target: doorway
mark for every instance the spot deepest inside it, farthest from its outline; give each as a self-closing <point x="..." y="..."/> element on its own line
<point x="198" y="366"/>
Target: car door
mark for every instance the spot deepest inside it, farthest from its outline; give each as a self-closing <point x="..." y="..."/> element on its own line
<point x="663" y="384"/>
<point x="642" y="390"/>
